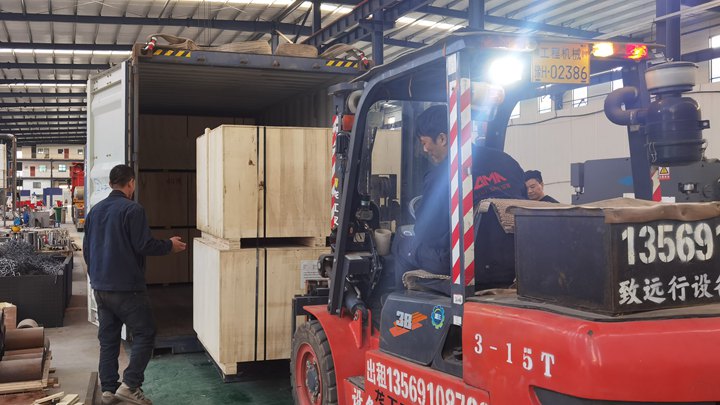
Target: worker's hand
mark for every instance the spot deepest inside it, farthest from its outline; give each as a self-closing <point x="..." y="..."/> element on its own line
<point x="177" y="244"/>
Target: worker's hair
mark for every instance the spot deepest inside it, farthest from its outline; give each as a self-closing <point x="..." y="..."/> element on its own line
<point x="121" y="175"/>
<point x="432" y="122"/>
<point x="534" y="174"/>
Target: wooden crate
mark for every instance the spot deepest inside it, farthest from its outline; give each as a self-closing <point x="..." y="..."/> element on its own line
<point x="164" y="195"/>
<point x="192" y="234"/>
<point x="163" y="143"/>
<point x="231" y="196"/>
<point x="255" y="182"/>
<point x="297" y="182"/>
<point x="242" y="300"/>
<point x="169" y="269"/>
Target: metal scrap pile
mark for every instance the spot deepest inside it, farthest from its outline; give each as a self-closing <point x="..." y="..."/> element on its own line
<point x="18" y="258"/>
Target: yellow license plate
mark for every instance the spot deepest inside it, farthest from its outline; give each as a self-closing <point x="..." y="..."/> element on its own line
<point x="557" y="62"/>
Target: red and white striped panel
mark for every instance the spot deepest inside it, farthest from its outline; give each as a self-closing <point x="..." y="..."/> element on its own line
<point x="467" y="181"/>
<point x="334" y="179"/>
<point x="657" y="190"/>
<point x="454" y="164"/>
<point x="461" y="187"/>
<point x="454" y="184"/>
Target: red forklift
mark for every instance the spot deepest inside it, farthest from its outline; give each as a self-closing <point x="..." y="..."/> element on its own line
<point x="613" y="304"/>
<point x="77" y="193"/>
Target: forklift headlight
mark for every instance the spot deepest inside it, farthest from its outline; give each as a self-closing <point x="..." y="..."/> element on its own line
<point x="603" y="49"/>
<point x="506" y="70"/>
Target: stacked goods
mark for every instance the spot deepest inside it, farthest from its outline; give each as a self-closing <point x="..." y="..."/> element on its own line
<point x="24" y="357"/>
<point x="166" y="186"/>
<point x="262" y="205"/>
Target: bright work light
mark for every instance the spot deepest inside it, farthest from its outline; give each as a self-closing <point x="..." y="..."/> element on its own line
<point x="505" y="70"/>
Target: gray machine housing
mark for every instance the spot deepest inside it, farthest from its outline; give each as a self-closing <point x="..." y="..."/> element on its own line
<point x="602" y="179"/>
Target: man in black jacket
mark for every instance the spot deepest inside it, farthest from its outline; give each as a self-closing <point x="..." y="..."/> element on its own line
<point x="495" y="175"/>
<point x="117" y="239"/>
<point x="536" y="187"/>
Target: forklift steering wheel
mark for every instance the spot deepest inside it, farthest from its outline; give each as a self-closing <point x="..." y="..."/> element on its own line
<point x="413" y="204"/>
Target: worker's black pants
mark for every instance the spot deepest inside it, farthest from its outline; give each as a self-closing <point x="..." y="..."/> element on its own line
<point x="410" y="257"/>
<point x="116" y="308"/>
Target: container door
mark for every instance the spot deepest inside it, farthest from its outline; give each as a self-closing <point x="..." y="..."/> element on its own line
<point x="107" y="129"/>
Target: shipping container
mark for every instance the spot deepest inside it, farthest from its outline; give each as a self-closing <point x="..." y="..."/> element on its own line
<point x="147" y="112"/>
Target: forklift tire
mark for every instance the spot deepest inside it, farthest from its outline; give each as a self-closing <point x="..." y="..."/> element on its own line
<point x="312" y="371"/>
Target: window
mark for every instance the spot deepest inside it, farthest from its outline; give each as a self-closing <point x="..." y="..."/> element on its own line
<point x="19" y="166"/>
<point x="616" y="84"/>
<point x="579" y="97"/>
<point x="81" y="151"/>
<point x="42" y="168"/>
<point x="515" y="112"/>
<point x="715" y="63"/>
<point x="19" y="154"/>
<point x="60" y="151"/>
<point x="37" y="184"/>
<point x="62" y="167"/>
<point x="544" y="104"/>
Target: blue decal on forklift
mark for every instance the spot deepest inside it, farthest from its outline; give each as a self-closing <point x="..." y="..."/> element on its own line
<point x="438" y="317"/>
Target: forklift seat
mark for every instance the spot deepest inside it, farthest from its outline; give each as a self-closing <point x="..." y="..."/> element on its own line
<point x="422" y="280"/>
<point x="495" y="241"/>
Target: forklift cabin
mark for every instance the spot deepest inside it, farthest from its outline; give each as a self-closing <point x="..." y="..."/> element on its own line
<point x="378" y="171"/>
<point x="481" y="76"/>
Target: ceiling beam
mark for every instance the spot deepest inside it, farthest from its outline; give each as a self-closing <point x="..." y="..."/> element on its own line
<point x="337" y="32"/>
<point x="41" y="105"/>
<point x="39" y="81"/>
<point x="230" y="25"/>
<point x="66" y="47"/>
<point x="55" y="66"/>
<point x="512" y="22"/>
<point x="33" y="127"/>
<point x="27" y="114"/>
<point x="348" y="21"/>
<point x="41" y="95"/>
<point x="13" y="121"/>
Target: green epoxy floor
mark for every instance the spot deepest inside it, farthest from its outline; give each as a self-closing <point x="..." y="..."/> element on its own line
<point x="192" y="379"/>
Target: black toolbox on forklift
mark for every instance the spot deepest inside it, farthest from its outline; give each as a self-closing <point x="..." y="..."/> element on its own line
<point x="628" y="257"/>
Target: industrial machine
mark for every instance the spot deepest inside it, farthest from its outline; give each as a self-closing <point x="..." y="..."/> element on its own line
<point x="77" y="191"/>
<point x="614" y="306"/>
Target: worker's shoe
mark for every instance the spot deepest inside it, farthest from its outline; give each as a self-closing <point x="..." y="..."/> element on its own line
<point x="132" y="395"/>
<point x="108" y="398"/>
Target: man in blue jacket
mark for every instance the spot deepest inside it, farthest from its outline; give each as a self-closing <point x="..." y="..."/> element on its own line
<point x="117" y="239"/>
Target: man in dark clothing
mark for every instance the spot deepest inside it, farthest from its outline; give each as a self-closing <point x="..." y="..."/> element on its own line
<point x="429" y="248"/>
<point x="536" y="188"/>
<point x="496" y="175"/>
<point x="117" y="239"/>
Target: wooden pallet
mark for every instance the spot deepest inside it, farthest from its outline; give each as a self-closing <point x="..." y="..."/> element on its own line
<point x="251" y="243"/>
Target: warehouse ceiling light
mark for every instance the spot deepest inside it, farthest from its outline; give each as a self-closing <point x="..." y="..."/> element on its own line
<point x="329" y="7"/>
<point x="59" y="52"/>
<point x="428" y="24"/>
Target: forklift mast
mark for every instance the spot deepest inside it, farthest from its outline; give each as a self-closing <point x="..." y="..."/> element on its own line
<point x="457" y="71"/>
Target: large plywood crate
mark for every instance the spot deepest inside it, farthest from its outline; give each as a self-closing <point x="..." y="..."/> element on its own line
<point x="242" y="300"/>
<point x="263" y="182"/>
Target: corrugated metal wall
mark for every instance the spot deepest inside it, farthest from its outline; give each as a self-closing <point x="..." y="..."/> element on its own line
<point x="306" y="110"/>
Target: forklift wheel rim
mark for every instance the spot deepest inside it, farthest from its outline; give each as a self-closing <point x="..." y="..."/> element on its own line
<point x="306" y="354"/>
